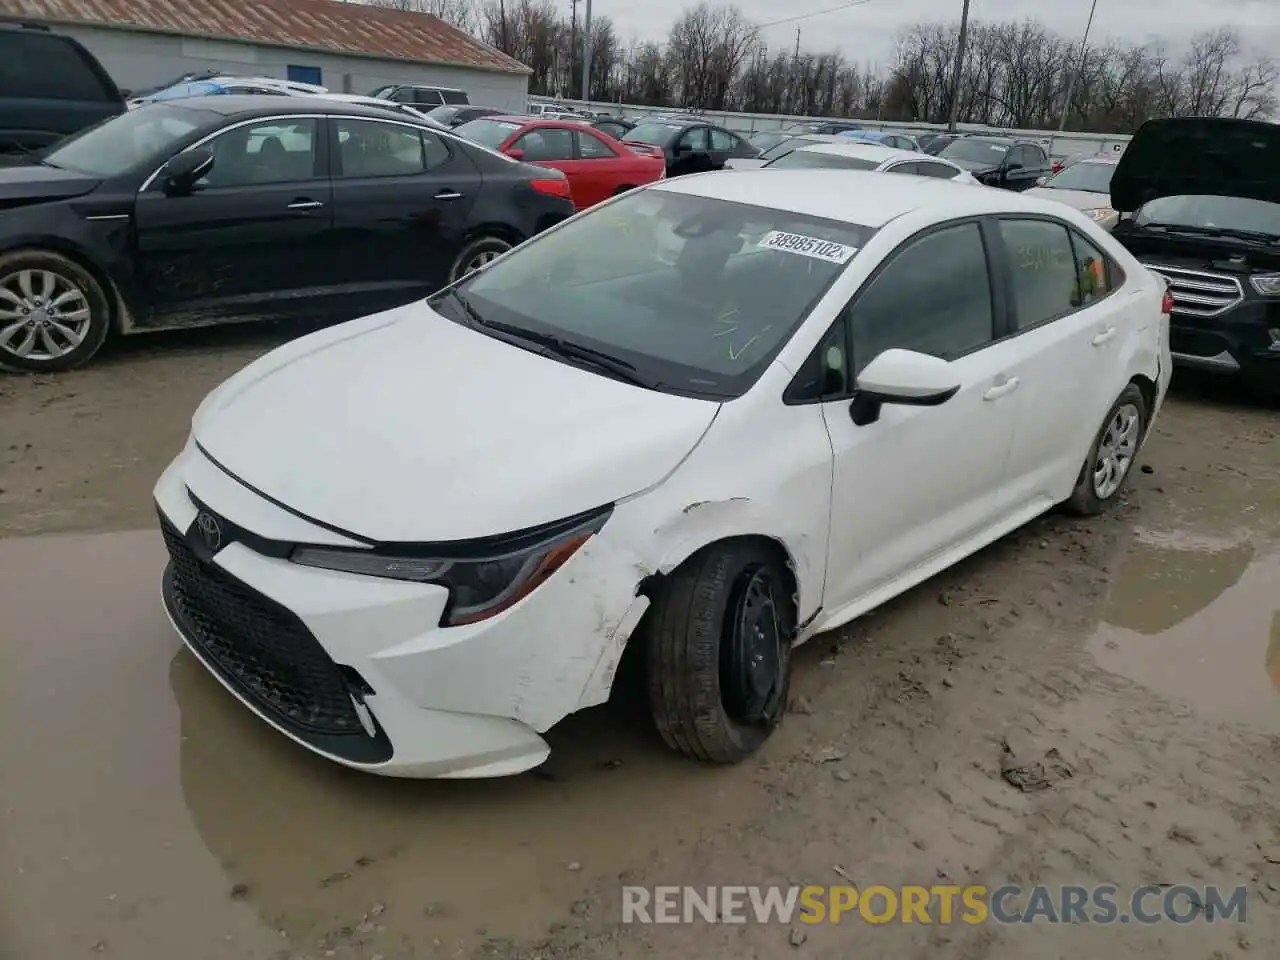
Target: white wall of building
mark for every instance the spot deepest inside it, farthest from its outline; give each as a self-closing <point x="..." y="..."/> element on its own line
<point x="137" y="59"/>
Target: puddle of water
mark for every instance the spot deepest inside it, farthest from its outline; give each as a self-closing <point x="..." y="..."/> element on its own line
<point x="1198" y="619"/>
<point x="138" y="795"/>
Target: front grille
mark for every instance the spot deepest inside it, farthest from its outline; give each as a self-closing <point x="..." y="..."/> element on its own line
<point x="1198" y="294"/>
<point x="260" y="647"/>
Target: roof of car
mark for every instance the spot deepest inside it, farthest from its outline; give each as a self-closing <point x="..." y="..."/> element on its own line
<point x="863" y="149"/>
<point x="267" y="105"/>
<point x="854" y="196"/>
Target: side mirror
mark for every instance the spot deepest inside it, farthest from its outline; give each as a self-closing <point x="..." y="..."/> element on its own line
<point x="902" y="377"/>
<point x="1012" y="165"/>
<point x="180" y="174"/>
<point x="515" y="153"/>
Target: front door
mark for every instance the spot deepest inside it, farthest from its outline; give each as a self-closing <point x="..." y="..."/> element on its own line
<point x="401" y="198"/>
<point x="254" y="240"/>
<point x="920" y="480"/>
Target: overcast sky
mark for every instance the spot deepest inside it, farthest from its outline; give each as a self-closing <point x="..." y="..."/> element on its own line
<point x="865" y="33"/>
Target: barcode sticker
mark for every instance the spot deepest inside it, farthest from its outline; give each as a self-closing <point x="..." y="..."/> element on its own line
<point x="804" y="246"/>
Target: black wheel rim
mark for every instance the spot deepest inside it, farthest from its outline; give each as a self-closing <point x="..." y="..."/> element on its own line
<point x="754" y="650"/>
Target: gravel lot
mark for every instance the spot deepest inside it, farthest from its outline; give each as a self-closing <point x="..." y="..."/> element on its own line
<point x="143" y="814"/>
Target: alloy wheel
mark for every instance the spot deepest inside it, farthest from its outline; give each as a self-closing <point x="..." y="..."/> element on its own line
<point x="43" y="315"/>
<point x="1116" y="451"/>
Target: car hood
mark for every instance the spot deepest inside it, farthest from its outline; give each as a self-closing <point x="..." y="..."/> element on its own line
<point x="1198" y="155"/>
<point x="1079" y="199"/>
<point x="33" y="182"/>
<point x="406" y="426"/>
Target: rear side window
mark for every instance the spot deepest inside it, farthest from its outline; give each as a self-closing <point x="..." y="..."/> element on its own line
<point x="940" y="170"/>
<point x="44" y="67"/>
<point x="454" y="96"/>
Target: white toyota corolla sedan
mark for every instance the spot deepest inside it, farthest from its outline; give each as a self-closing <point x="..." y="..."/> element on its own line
<point x="416" y="541"/>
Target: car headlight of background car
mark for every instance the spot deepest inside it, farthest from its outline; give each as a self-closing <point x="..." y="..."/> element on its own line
<point x="483" y="579"/>
<point x="1098" y="214"/>
<point x="1268" y="285"/>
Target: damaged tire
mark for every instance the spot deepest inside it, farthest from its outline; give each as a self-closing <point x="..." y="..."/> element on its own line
<point x="718" y="650"/>
<point x="1112" y="456"/>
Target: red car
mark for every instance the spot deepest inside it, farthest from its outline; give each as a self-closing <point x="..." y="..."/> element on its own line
<point x="598" y="166"/>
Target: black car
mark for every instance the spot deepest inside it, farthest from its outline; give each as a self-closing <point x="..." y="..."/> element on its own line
<point x="219" y="209"/>
<point x="455" y="115"/>
<point x="826" y="127"/>
<point x="1199" y="201"/>
<point x="692" y="145"/>
<point x="616" y="127"/>
<point x="999" y="161"/>
<point x="50" y="87"/>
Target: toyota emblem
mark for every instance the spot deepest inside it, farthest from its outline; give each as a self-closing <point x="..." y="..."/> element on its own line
<point x="210" y="530"/>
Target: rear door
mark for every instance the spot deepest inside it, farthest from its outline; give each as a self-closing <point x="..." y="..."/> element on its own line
<point x="600" y="170"/>
<point x="50" y="87"/>
<point x="1024" y="168"/>
<point x="724" y="146"/>
<point x="554" y="147"/>
<point x="402" y="197"/>
<point x="692" y="152"/>
<point x="254" y="241"/>
<point x="1066" y="317"/>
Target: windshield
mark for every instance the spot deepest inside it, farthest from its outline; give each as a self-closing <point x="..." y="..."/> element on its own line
<point x="813" y="160"/>
<point x="975" y="151"/>
<point x="1232" y="213"/>
<point x="488" y="133"/>
<point x="698" y="294"/>
<point x="787" y="146"/>
<point x="444" y="114"/>
<point x="143" y="136"/>
<point x="1090" y="177"/>
<point x="654" y="133"/>
<point x="767" y="141"/>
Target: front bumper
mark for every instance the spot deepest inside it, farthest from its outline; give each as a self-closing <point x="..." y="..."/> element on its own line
<point x="357" y="668"/>
<point x="1238" y="343"/>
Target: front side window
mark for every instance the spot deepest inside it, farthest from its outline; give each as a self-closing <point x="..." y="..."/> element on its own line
<point x="1043" y="270"/>
<point x="933" y="297"/>
<point x="813" y="160"/>
<point x="695" y="139"/>
<point x="546" y="143"/>
<point x="274" y="151"/>
<point x="698" y="294"/>
<point x="142" y="137"/>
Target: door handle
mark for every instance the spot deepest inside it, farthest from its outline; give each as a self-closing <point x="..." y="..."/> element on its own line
<point x="1103" y="337"/>
<point x="1002" y="389"/>
<point x="305" y="205"/>
<point x="448" y="195"/>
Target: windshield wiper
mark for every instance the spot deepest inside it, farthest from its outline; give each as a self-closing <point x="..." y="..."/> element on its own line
<point x="616" y="367"/>
<point x="1254" y="235"/>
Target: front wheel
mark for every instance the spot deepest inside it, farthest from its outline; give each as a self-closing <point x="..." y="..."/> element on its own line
<point x="718" y="651"/>
<point x="53" y="313"/>
<point x="1112" y="455"/>
<point x="477" y="254"/>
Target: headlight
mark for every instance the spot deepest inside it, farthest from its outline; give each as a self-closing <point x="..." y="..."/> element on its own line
<point x="1268" y="285"/>
<point x="1098" y="214"/>
<point x="483" y="577"/>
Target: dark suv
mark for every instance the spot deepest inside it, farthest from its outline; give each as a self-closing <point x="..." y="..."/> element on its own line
<point x="50" y="86"/>
<point x="423" y="97"/>
<point x="999" y="161"/>
<point x="1199" y="204"/>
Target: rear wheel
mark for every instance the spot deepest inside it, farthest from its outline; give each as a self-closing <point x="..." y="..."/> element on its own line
<point x="476" y="254"/>
<point x="53" y="313"/>
<point x="718" y="651"/>
<point x="1112" y="455"/>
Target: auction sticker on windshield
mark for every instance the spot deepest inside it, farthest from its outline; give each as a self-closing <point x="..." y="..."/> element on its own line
<point x="813" y="247"/>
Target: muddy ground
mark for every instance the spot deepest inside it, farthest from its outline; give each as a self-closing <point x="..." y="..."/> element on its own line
<point x="146" y="815"/>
